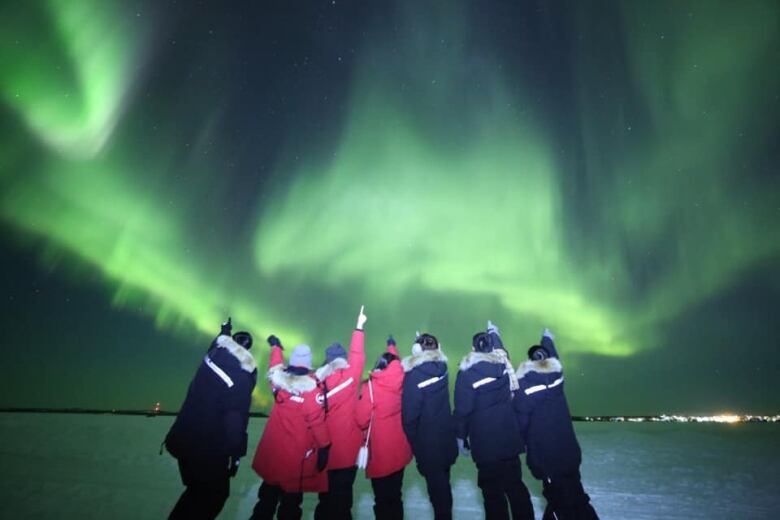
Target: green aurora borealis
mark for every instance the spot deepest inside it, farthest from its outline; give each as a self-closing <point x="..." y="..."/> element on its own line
<point x="608" y="172"/>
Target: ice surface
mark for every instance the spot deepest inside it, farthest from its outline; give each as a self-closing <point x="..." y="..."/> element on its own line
<point x="104" y="466"/>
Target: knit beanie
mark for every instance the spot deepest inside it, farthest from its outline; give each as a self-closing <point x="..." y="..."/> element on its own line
<point x="301" y="357"/>
<point x="335" y="350"/>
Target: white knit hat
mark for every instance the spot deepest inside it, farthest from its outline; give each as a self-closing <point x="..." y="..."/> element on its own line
<point x="301" y="357"/>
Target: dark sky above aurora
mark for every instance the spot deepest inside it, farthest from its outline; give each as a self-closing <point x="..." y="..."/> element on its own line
<point x="609" y="171"/>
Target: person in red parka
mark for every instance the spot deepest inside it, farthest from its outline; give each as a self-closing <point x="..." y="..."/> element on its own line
<point x="292" y="454"/>
<point x="339" y="378"/>
<point x="388" y="449"/>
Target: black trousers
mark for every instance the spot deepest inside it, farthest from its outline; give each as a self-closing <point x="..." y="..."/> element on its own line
<point x="336" y="504"/>
<point x="388" y="504"/>
<point x="502" y="481"/>
<point x="566" y="499"/>
<point x="270" y="496"/>
<point x="203" y="497"/>
<point x="439" y="493"/>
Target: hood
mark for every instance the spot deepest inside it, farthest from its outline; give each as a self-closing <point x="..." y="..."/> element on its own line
<point x="491" y="364"/>
<point x="291" y="383"/>
<point x="544" y="366"/>
<point x="415" y="360"/>
<point x="391" y="378"/>
<point x="328" y="369"/>
<point x="243" y="356"/>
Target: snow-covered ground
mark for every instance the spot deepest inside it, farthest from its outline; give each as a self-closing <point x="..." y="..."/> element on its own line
<point x="91" y="466"/>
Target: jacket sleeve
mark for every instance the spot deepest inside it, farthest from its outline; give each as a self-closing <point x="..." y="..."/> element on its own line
<point x="357" y="354"/>
<point x="236" y="417"/>
<point x="277" y="359"/>
<point x="315" y="422"/>
<point x="549" y="346"/>
<point x="411" y="407"/>
<point x="393" y="350"/>
<point x="464" y="405"/>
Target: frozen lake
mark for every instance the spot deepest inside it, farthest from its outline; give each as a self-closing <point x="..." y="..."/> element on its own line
<point x="103" y="466"/>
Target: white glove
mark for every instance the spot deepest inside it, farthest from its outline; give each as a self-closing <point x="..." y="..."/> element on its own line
<point x="361" y="319"/>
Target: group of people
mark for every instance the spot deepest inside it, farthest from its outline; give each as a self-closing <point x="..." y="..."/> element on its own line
<point x="325" y="423"/>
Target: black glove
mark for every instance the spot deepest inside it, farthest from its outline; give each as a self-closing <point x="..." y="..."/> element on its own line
<point x="274" y="341"/>
<point x="227" y="327"/>
<point x="233" y="466"/>
<point x="390" y="341"/>
<point x="322" y="457"/>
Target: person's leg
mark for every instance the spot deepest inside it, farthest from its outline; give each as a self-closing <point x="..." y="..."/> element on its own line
<point x="336" y="504"/>
<point x="203" y="499"/>
<point x="267" y="499"/>
<point x="516" y="491"/>
<point x="388" y="503"/>
<point x="290" y="506"/>
<point x="440" y="493"/>
<point x="566" y="499"/>
<point x="490" y="481"/>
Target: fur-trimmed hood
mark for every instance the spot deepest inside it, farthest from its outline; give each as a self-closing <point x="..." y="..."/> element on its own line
<point x="497" y="356"/>
<point x="291" y="383"/>
<point x="544" y="366"/>
<point x="411" y="362"/>
<point x="328" y="369"/>
<point x="245" y="359"/>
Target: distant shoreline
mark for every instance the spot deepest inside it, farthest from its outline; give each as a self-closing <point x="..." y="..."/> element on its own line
<point x="719" y="419"/>
<point x="98" y="411"/>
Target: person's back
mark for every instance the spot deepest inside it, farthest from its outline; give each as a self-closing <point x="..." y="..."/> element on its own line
<point x="552" y="447"/>
<point x="292" y="452"/>
<point x="552" y="451"/>
<point x="427" y="420"/>
<point x="488" y="430"/>
<point x="209" y="437"/>
<point x="339" y="378"/>
<point x="484" y="410"/>
<point x="379" y="409"/>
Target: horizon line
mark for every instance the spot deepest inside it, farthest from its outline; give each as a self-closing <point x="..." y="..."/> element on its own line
<point x="698" y="418"/>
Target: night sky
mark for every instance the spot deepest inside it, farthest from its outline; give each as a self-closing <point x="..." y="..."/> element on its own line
<point x="607" y="170"/>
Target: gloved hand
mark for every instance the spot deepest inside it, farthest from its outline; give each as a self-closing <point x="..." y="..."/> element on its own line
<point x="464" y="448"/>
<point x="227" y="327"/>
<point x="322" y="457"/>
<point x="274" y="341"/>
<point x="233" y="466"/>
<point x="390" y="341"/>
<point x="361" y="319"/>
<point x="548" y="334"/>
<point x="492" y="328"/>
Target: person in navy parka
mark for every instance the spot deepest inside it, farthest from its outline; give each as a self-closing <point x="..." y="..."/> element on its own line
<point x="552" y="451"/>
<point x="486" y="424"/>
<point x="209" y="437"/>
<point x="427" y="420"/>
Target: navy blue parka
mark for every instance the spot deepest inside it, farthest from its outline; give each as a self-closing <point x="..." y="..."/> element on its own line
<point x="484" y="411"/>
<point x="211" y="425"/>
<point x="543" y="414"/>
<point x="425" y="411"/>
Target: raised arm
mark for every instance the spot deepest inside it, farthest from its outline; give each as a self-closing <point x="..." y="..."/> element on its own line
<point x="548" y="344"/>
<point x="277" y="355"/>
<point x="494" y="335"/>
<point x="391" y="347"/>
<point x="357" y="355"/>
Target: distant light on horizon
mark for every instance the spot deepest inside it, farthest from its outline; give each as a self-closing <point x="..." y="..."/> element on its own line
<point x="721" y="418"/>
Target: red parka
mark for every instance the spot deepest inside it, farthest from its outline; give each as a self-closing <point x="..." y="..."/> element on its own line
<point x="341" y="378"/>
<point x="287" y="452"/>
<point x="388" y="448"/>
